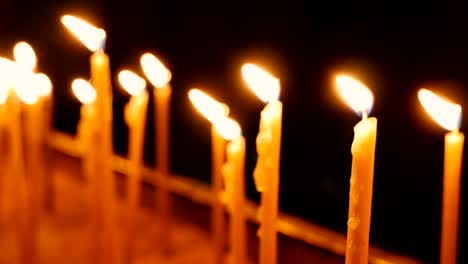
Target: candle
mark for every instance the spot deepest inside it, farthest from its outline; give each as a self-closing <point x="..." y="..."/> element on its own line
<point x="86" y="94"/>
<point x="267" y="170"/>
<point x="26" y="61"/>
<point x="234" y="195"/>
<point x="214" y="110"/>
<point x="448" y="115"/>
<point x="159" y="76"/>
<point x="360" y="98"/>
<point x="94" y="39"/>
<point x="27" y="209"/>
<point x="135" y="117"/>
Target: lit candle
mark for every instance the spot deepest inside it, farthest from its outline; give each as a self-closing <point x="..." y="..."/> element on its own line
<point x="8" y="196"/>
<point x="360" y="98"/>
<point x="40" y="84"/>
<point x="448" y="115"/>
<point x="214" y="110"/>
<point x="86" y="134"/>
<point x="234" y="180"/>
<point x="27" y="209"/>
<point x="159" y="76"/>
<point x="94" y="39"/>
<point x="267" y="170"/>
<point x="135" y="117"/>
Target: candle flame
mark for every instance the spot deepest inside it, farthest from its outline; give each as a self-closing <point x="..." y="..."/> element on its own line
<point x="43" y="83"/>
<point x="83" y="91"/>
<point x="262" y="83"/>
<point x="23" y="83"/>
<point x="444" y="112"/>
<point x="207" y="106"/>
<point x="25" y="56"/>
<point x="355" y="93"/>
<point x="131" y="82"/>
<point x="155" y="71"/>
<point x="92" y="37"/>
<point x="228" y="128"/>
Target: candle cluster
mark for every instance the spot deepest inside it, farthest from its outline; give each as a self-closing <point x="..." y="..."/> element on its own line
<point x="20" y="80"/>
<point x="25" y="105"/>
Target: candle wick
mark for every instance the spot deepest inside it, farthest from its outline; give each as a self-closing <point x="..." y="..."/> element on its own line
<point x="102" y="47"/>
<point x="364" y="115"/>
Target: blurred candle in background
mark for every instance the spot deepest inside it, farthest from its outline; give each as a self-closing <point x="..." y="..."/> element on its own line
<point x="135" y="118"/>
<point x="86" y="94"/>
<point x="27" y="208"/>
<point x="213" y="110"/>
<point x="94" y="39"/>
<point x="234" y="180"/>
<point x="159" y="76"/>
<point x="267" y="170"/>
<point x="448" y="115"/>
<point x="360" y="98"/>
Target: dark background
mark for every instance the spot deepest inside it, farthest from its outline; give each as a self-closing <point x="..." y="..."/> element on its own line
<point x="395" y="48"/>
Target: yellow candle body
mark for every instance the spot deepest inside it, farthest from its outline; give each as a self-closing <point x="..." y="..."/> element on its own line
<point x="26" y="225"/>
<point x="266" y="176"/>
<point x="360" y="196"/>
<point x="87" y="138"/>
<point x="162" y="98"/>
<point x="217" y="213"/>
<point x="105" y="228"/>
<point x="234" y="178"/>
<point x="451" y="196"/>
<point x="135" y="117"/>
<point x="35" y="135"/>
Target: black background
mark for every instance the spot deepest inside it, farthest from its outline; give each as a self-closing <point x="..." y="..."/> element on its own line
<point x="395" y="48"/>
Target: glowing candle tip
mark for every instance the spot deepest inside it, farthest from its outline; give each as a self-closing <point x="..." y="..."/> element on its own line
<point x="262" y="83"/>
<point x="207" y="106"/>
<point x="92" y="37"/>
<point x="83" y="91"/>
<point x="228" y="128"/>
<point x="24" y="55"/>
<point x="131" y="82"/>
<point x="355" y="94"/>
<point x="444" y="112"/>
<point x="158" y="75"/>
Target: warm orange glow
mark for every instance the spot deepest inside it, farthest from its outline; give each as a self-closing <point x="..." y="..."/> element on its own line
<point x="155" y="71"/>
<point x="207" y="106"/>
<point x="444" y="112"/>
<point x="83" y="91"/>
<point x="262" y="83"/>
<point x="228" y="128"/>
<point x="25" y="56"/>
<point x="43" y="84"/>
<point x="355" y="93"/>
<point x="92" y="37"/>
<point x="131" y="82"/>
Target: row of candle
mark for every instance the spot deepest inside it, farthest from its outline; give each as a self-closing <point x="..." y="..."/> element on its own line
<point x="31" y="98"/>
<point x="266" y="174"/>
<point x="96" y="135"/>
